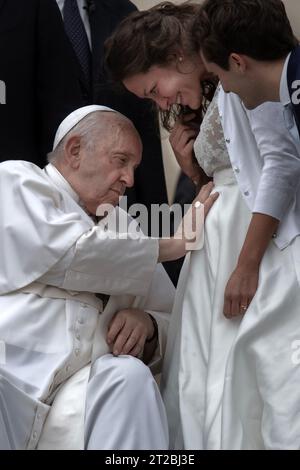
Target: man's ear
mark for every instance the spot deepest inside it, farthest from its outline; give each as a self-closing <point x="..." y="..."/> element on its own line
<point x="237" y="63"/>
<point x="72" y="152"/>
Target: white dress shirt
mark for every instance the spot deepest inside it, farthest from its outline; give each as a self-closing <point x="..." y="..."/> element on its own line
<point x="266" y="161"/>
<point x="285" y="100"/>
<point x="84" y="16"/>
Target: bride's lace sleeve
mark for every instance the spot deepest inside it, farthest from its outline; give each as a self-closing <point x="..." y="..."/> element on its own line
<point x="210" y="147"/>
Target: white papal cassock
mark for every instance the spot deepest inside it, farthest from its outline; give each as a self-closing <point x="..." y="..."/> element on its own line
<point x="53" y="326"/>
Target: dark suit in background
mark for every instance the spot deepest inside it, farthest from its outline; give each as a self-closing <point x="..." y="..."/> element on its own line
<point x="150" y="185"/>
<point x="37" y="66"/>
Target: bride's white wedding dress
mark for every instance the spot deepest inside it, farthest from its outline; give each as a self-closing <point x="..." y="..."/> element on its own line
<point x="232" y="384"/>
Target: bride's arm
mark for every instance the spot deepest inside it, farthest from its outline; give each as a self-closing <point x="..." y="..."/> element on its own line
<point x="182" y="140"/>
<point x="243" y="282"/>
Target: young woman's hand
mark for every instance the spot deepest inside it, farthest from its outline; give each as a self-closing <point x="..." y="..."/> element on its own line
<point x="182" y="140"/>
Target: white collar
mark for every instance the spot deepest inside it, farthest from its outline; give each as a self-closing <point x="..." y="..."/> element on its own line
<point x="284" y="90"/>
<point x="60" y="181"/>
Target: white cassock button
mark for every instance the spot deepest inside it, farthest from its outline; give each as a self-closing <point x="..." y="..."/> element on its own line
<point x="77" y="336"/>
<point x="38" y="416"/>
<point x="274" y="235"/>
<point x="228" y="141"/>
<point x="246" y="193"/>
<point x="236" y="169"/>
<point x="77" y="351"/>
<point x="81" y="321"/>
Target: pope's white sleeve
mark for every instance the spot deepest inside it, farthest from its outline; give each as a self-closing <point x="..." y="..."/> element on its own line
<point x="98" y="262"/>
<point x="159" y="303"/>
<point x="162" y="319"/>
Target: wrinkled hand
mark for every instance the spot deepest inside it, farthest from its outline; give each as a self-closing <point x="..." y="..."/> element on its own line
<point x="190" y="229"/>
<point x="128" y="331"/>
<point x="206" y="198"/>
<point x="240" y="290"/>
<point x="182" y="140"/>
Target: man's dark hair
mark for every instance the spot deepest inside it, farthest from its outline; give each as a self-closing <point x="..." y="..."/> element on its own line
<point x="259" y="29"/>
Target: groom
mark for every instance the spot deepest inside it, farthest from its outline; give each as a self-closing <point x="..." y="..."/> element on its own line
<point x="259" y="59"/>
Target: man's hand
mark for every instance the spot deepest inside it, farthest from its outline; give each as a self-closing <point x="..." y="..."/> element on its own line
<point x="128" y="331"/>
<point x="182" y="140"/>
<point x="243" y="282"/>
<point x="240" y="290"/>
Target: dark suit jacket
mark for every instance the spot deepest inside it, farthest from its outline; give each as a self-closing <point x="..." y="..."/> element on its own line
<point x="37" y="66"/>
<point x="150" y="186"/>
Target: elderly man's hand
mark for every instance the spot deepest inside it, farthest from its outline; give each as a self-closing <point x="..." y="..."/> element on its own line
<point x="188" y="233"/>
<point x="206" y="198"/>
<point x="192" y="223"/>
<point x="128" y="331"/>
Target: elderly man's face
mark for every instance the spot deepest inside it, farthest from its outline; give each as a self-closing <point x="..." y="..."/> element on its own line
<point x="106" y="171"/>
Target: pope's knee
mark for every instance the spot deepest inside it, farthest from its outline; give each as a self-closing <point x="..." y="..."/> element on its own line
<point x="127" y="370"/>
<point x="135" y="376"/>
<point x="133" y="369"/>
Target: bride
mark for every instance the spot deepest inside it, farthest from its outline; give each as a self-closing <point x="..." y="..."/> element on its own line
<point x="227" y="384"/>
<point x="205" y="337"/>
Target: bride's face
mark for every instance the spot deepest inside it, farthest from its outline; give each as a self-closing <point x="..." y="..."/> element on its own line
<point x="172" y="84"/>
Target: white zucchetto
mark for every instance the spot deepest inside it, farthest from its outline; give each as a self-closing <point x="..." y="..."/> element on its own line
<point x="74" y="118"/>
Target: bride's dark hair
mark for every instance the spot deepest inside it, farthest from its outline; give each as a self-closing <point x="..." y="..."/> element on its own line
<point x="155" y="37"/>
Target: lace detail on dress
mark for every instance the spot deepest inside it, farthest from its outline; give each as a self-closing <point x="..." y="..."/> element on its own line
<point x="210" y="147"/>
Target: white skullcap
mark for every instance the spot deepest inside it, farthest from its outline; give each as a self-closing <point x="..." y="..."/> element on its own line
<point x="74" y="118"/>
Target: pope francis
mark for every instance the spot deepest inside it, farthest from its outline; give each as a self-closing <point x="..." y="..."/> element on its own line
<point x="81" y="311"/>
